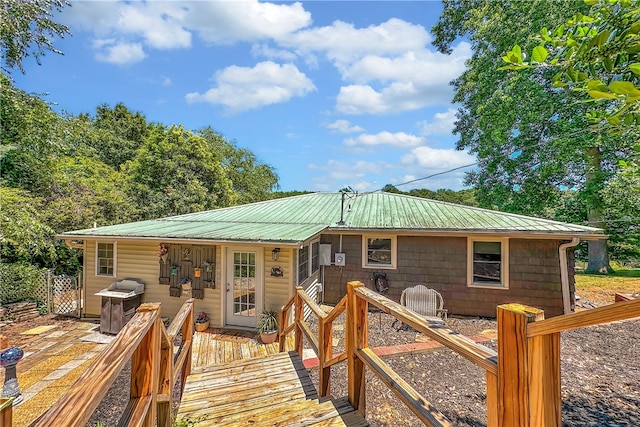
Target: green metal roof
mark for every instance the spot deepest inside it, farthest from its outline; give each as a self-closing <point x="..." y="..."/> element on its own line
<point x="296" y="219"/>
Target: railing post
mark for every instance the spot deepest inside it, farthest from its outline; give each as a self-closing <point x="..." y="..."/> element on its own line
<point x="282" y="326"/>
<point x="166" y="381"/>
<point x="187" y="335"/>
<point x="145" y="365"/>
<point x="528" y="371"/>
<point x="357" y="338"/>
<point x="6" y="412"/>
<point x="299" y="316"/>
<point x="492" y="399"/>
<point x="325" y="348"/>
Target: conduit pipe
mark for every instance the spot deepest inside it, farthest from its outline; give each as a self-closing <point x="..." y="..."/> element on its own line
<point x="564" y="273"/>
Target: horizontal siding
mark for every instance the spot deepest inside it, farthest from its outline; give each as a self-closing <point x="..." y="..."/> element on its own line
<point x="277" y="289"/>
<point x="138" y="260"/>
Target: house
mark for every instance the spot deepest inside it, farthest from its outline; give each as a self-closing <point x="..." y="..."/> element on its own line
<point x="239" y="260"/>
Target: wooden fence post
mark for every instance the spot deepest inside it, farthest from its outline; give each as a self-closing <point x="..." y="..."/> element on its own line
<point x="298" y="317"/>
<point x="528" y="371"/>
<point x="145" y="365"/>
<point x="357" y="326"/>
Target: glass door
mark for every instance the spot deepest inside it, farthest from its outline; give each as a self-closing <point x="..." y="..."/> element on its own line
<point x="244" y="287"/>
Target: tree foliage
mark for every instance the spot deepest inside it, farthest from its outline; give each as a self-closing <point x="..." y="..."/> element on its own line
<point x="26" y="29"/>
<point x="598" y="53"/>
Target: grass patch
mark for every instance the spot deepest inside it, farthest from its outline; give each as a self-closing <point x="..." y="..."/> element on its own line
<point x="601" y="288"/>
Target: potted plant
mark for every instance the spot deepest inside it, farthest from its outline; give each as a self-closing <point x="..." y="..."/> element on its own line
<point x="267" y="324"/>
<point x="202" y="322"/>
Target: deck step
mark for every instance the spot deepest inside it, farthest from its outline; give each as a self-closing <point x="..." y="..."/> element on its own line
<point x="273" y="390"/>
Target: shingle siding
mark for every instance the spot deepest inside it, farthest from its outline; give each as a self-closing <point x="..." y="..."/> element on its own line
<point x="441" y="263"/>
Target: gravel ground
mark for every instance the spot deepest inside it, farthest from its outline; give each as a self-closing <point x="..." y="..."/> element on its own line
<point x="600" y="375"/>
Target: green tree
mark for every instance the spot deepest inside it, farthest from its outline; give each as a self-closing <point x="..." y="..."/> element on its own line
<point x="251" y="180"/>
<point x="26" y="29"/>
<point x="23" y="231"/>
<point x="176" y="172"/>
<point x="531" y="139"/>
<point x="119" y="134"/>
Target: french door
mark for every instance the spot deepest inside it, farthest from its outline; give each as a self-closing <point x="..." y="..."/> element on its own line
<point x="244" y="287"/>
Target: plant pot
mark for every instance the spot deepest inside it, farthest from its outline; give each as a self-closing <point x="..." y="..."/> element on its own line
<point x="268" y="337"/>
<point x="201" y="327"/>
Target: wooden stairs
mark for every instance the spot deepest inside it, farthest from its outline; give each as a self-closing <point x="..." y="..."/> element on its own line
<point x="273" y="390"/>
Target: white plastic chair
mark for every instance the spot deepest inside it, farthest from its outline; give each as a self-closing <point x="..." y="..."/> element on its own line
<point x="424" y="301"/>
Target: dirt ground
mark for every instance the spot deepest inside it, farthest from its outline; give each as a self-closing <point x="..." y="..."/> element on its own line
<point x="600" y="374"/>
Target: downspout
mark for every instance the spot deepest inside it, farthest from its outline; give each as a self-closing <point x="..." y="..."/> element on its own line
<point x="564" y="273"/>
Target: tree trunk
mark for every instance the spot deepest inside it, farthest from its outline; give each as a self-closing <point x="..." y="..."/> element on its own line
<point x="598" y="255"/>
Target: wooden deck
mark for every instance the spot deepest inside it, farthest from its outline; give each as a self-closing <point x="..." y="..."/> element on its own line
<point x="218" y="346"/>
<point x="273" y="390"/>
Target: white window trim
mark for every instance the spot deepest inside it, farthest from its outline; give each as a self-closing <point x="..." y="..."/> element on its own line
<point x="115" y="258"/>
<point x="394" y="251"/>
<point x="311" y="254"/>
<point x="504" y="263"/>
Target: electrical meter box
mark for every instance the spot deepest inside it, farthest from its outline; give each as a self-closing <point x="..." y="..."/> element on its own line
<point x="340" y="259"/>
<point x="325" y="254"/>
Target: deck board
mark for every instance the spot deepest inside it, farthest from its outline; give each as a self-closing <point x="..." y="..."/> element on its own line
<point x="272" y="390"/>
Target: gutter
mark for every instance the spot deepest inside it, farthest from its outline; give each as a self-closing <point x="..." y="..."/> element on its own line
<point x="564" y="273"/>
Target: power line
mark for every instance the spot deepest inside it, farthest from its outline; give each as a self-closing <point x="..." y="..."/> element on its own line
<point x="429" y="176"/>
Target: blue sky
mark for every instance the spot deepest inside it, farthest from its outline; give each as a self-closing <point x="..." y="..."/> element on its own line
<point x="330" y="93"/>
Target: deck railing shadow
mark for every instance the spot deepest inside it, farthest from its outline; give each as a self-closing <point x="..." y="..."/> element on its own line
<point x="156" y="364"/>
<point x="522" y="377"/>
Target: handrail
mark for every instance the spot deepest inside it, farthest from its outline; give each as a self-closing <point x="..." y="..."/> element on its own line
<point x="480" y="355"/>
<point x="609" y="313"/>
<point x="142" y="340"/>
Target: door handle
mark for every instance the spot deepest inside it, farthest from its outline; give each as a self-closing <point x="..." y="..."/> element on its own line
<point x="228" y="286"/>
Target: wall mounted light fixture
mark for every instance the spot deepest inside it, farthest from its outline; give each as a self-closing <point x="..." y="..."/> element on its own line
<point x="275" y="254"/>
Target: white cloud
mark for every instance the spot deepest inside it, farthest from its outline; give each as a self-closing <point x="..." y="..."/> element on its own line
<point x="228" y="22"/>
<point x="243" y="88"/>
<point x="157" y="23"/>
<point x="343" y="43"/>
<point x="398" y="139"/>
<point x="441" y="124"/>
<point x="409" y="82"/>
<point x="437" y="159"/>
<point x="118" y="53"/>
<point x="343" y="126"/>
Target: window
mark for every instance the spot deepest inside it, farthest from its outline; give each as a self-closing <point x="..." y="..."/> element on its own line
<point x="303" y="264"/>
<point x="488" y="261"/>
<point x="105" y="259"/>
<point x="315" y="256"/>
<point x="379" y="252"/>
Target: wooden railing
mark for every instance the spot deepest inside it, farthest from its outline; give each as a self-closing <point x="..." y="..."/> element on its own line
<point x="155" y="367"/>
<point x="522" y="378"/>
<point x="6" y="411"/>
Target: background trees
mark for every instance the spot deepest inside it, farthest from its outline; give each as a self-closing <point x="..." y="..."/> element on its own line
<point x="535" y="151"/>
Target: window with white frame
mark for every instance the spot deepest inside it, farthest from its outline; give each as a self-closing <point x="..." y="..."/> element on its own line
<point x="106" y="259"/>
<point x="488" y="262"/>
<point x="303" y="264"/>
<point x="379" y="251"/>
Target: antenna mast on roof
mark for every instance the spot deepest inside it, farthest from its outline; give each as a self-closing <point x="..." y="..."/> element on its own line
<point x="344" y="192"/>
